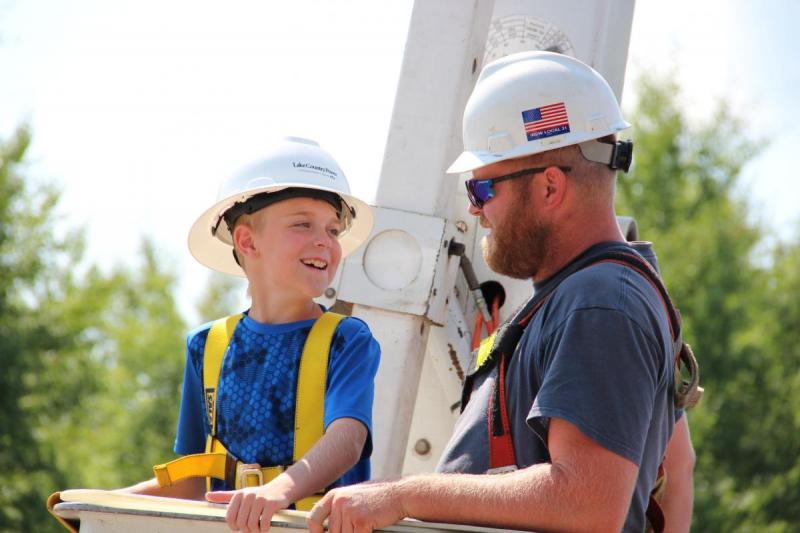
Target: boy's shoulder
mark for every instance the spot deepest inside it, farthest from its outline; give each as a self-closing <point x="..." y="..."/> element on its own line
<point x="197" y="336"/>
<point x="201" y="330"/>
<point x="351" y="325"/>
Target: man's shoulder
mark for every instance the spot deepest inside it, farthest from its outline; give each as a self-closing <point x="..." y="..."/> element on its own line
<point x="606" y="289"/>
<point x="597" y="285"/>
<point x="605" y="286"/>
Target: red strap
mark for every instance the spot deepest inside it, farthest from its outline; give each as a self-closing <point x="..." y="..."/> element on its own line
<point x="501" y="448"/>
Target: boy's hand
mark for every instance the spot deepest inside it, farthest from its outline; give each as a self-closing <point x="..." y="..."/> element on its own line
<point x="250" y="509"/>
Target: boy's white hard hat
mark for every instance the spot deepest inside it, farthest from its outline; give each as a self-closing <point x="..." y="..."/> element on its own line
<point x="296" y="163"/>
<point x="562" y="100"/>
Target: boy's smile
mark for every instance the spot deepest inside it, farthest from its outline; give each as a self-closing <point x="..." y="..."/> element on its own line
<point x="319" y="264"/>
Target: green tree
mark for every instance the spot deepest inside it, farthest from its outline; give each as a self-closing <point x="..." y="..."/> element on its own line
<point x="683" y="193"/>
<point x="223" y="296"/>
<point x="92" y="362"/>
<point x="137" y="344"/>
<point x="29" y="342"/>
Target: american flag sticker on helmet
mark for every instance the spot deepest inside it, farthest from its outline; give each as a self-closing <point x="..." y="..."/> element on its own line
<point x="545" y="121"/>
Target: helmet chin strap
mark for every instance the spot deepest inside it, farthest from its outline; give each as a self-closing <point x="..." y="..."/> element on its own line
<point x="618" y="156"/>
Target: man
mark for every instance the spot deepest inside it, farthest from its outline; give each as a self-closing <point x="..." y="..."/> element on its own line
<point x="585" y="409"/>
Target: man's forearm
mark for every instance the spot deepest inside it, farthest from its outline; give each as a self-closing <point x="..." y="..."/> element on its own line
<point x="679" y="491"/>
<point x="584" y="488"/>
<point x="540" y="496"/>
<point x="504" y="500"/>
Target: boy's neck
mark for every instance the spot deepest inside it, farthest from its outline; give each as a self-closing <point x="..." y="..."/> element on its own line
<point x="276" y="311"/>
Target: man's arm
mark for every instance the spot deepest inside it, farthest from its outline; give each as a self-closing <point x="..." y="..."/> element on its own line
<point x="251" y="509"/>
<point x="585" y="487"/>
<point x="679" y="490"/>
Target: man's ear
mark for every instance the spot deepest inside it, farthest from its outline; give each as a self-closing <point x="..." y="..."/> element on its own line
<point x="554" y="186"/>
<point x="244" y="239"/>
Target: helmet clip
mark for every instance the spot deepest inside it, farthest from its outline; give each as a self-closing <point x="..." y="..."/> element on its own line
<point x="622" y="156"/>
<point x="617" y="156"/>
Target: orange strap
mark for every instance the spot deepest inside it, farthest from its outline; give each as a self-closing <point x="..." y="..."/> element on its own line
<point x="490" y="326"/>
<point x="501" y="446"/>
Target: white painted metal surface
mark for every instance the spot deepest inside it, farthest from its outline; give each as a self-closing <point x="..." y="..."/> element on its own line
<point x="440" y="65"/>
<point x="438" y="400"/>
<point x="396" y="269"/>
<point x="99" y="511"/>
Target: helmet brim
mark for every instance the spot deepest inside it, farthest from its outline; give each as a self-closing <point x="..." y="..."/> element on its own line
<point x="217" y="255"/>
<point x="469" y="161"/>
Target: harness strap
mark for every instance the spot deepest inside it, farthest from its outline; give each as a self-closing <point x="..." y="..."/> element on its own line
<point x="219" y="336"/>
<point x="309" y="425"/>
<point x="687" y="392"/>
<point x="217" y="462"/>
<point x="655" y="513"/>
<point x="217" y="465"/>
<point x="217" y="341"/>
<point x="311" y="379"/>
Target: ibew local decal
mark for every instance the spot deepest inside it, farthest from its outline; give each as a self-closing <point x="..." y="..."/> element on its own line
<point x="545" y="121"/>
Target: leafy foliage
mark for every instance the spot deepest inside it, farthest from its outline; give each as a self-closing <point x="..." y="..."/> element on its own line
<point x="27" y="340"/>
<point x="223" y="296"/>
<point x="92" y="362"/>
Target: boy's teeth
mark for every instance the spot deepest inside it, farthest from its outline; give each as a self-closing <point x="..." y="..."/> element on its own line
<point x="315" y="263"/>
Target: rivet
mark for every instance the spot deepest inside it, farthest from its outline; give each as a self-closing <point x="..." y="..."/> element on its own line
<point x="422" y="447"/>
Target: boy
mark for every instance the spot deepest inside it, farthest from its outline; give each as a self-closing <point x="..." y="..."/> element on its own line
<point x="285" y="223"/>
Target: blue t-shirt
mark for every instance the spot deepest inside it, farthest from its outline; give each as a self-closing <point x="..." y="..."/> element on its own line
<point x="258" y="385"/>
<point x="598" y="354"/>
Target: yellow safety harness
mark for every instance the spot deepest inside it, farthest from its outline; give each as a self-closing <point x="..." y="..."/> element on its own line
<point x="217" y="462"/>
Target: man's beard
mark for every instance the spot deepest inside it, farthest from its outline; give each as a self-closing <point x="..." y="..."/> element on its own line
<point x="518" y="243"/>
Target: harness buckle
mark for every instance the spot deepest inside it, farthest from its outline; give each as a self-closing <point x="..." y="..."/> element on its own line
<point x="248" y="475"/>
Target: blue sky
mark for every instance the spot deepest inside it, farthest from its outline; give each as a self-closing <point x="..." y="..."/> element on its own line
<point x="747" y="54"/>
<point x="139" y="108"/>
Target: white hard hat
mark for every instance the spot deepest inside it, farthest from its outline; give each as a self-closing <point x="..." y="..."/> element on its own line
<point x="291" y="164"/>
<point x="531" y="102"/>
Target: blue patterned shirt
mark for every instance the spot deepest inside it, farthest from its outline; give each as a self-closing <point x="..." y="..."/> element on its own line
<point x="258" y="384"/>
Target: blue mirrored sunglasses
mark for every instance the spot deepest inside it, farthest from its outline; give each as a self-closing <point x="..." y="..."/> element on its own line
<point x="481" y="191"/>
